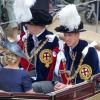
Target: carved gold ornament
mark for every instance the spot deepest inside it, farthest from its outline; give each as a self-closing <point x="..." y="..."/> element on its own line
<point x="85" y="72"/>
<point x="46" y="57"/>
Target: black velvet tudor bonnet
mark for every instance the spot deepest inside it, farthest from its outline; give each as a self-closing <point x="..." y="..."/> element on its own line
<point x="40" y="17"/>
<point x="70" y="21"/>
<point x="25" y="11"/>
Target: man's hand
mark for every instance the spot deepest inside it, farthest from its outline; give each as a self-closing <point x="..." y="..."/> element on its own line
<point x="59" y="86"/>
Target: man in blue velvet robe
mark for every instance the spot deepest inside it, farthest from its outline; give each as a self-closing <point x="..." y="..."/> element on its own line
<point x="40" y="43"/>
<point x="81" y="59"/>
<point x="40" y="36"/>
<point x="91" y="59"/>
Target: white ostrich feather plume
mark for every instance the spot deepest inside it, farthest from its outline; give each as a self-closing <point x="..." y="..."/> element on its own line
<point x="69" y="17"/>
<point x="22" y="10"/>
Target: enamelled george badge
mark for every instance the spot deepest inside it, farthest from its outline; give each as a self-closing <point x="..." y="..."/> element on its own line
<point x="85" y="72"/>
<point x="46" y="57"/>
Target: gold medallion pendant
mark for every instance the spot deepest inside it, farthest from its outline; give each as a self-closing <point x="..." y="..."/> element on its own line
<point x="85" y="72"/>
<point x="46" y="57"/>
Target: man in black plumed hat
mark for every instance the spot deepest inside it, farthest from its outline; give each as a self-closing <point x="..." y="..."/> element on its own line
<point x="43" y="59"/>
<point x="40" y="44"/>
<point x="81" y="58"/>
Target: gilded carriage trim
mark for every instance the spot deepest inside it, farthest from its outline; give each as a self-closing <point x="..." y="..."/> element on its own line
<point x="46" y="57"/>
<point x="85" y="72"/>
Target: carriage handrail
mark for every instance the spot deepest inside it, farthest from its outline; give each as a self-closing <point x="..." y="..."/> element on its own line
<point x="66" y="88"/>
<point x="75" y="89"/>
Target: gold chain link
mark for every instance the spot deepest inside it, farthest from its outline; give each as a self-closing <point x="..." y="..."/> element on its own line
<point x="35" y="53"/>
<point x="75" y="74"/>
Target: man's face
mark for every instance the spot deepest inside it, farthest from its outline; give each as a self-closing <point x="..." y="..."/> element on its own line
<point x="71" y="39"/>
<point x="30" y="28"/>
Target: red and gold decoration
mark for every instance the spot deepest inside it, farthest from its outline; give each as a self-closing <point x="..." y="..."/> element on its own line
<point x="85" y="72"/>
<point x="46" y="57"/>
<point x="24" y="63"/>
<point x="61" y="67"/>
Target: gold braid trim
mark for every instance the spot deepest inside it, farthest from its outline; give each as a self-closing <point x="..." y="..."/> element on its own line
<point x="40" y="47"/>
<point x="65" y="74"/>
<point x="35" y="52"/>
<point x="72" y="65"/>
<point x="75" y="74"/>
